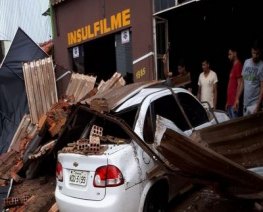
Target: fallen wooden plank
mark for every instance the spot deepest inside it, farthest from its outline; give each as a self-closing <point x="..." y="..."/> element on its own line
<point x="40" y="85"/>
<point x="115" y="96"/>
<point x="80" y="85"/>
<point x="109" y="83"/>
<point x="20" y="133"/>
<point x="36" y="90"/>
<point x="52" y="76"/>
<point x="54" y="208"/>
<point x="89" y="83"/>
<point x="47" y="84"/>
<point x="29" y="92"/>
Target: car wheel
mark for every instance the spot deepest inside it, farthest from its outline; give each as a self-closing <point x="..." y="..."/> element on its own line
<point x="156" y="200"/>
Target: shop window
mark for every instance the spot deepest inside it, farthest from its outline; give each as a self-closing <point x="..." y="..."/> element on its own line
<point x="163" y="4"/>
<point x="183" y="1"/>
<point x="100" y="57"/>
<point x="77" y="58"/>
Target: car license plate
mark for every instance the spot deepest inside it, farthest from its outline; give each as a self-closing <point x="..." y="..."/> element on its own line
<point x="78" y="177"/>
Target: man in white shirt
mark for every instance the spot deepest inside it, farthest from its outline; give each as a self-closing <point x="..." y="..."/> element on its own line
<point x="207" y="85"/>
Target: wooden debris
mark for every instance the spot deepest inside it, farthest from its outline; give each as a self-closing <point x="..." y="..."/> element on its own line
<point x="7" y="161"/>
<point x="57" y="117"/>
<point x="54" y="208"/>
<point x="43" y="150"/>
<point x="20" y="132"/>
<point x="15" y="169"/>
<point x="115" y="81"/>
<point x="41" y="88"/>
<point x="116" y="96"/>
<point x="104" y="88"/>
<point x="79" y="86"/>
<point x="24" y="142"/>
<point x="42" y="122"/>
<point x="100" y="105"/>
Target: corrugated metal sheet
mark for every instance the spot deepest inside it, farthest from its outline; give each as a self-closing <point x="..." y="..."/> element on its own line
<point x="26" y="14"/>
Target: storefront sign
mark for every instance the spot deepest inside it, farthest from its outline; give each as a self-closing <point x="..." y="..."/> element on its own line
<point x="76" y="52"/>
<point x="106" y="25"/>
<point x="125" y="36"/>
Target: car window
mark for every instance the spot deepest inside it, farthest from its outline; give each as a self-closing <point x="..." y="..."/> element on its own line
<point x="169" y="109"/>
<point x="165" y="107"/>
<point x="193" y="109"/>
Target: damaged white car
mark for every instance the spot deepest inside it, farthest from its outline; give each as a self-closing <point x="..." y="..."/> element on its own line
<point x="108" y="160"/>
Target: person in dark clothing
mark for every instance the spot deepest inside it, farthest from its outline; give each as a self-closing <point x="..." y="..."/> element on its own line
<point x="183" y="73"/>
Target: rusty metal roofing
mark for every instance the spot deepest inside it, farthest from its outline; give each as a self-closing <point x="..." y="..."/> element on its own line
<point x="207" y="166"/>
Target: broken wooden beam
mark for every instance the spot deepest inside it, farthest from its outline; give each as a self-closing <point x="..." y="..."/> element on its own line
<point x="79" y="86"/>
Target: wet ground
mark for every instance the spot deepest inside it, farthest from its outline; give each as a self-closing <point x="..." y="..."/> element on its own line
<point x="205" y="200"/>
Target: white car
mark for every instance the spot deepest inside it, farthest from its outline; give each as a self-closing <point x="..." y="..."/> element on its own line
<point x="125" y="172"/>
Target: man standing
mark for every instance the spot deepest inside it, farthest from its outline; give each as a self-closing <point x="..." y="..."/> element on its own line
<point x="234" y="82"/>
<point x="207" y="85"/>
<point x="252" y="82"/>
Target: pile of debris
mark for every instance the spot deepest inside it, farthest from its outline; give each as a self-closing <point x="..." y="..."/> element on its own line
<point x="22" y="174"/>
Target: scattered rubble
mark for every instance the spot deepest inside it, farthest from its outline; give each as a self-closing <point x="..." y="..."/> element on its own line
<point x="38" y="131"/>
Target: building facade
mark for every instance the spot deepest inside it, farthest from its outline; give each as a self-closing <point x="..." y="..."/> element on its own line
<point x="101" y="37"/>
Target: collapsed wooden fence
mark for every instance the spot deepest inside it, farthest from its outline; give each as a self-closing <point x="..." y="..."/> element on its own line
<point x="40" y="86"/>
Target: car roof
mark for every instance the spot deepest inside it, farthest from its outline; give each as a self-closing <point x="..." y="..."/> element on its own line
<point x="142" y="94"/>
<point x="121" y="98"/>
<point x="116" y="96"/>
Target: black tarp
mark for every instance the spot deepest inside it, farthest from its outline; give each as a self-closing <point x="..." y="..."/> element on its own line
<point x="13" y="100"/>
